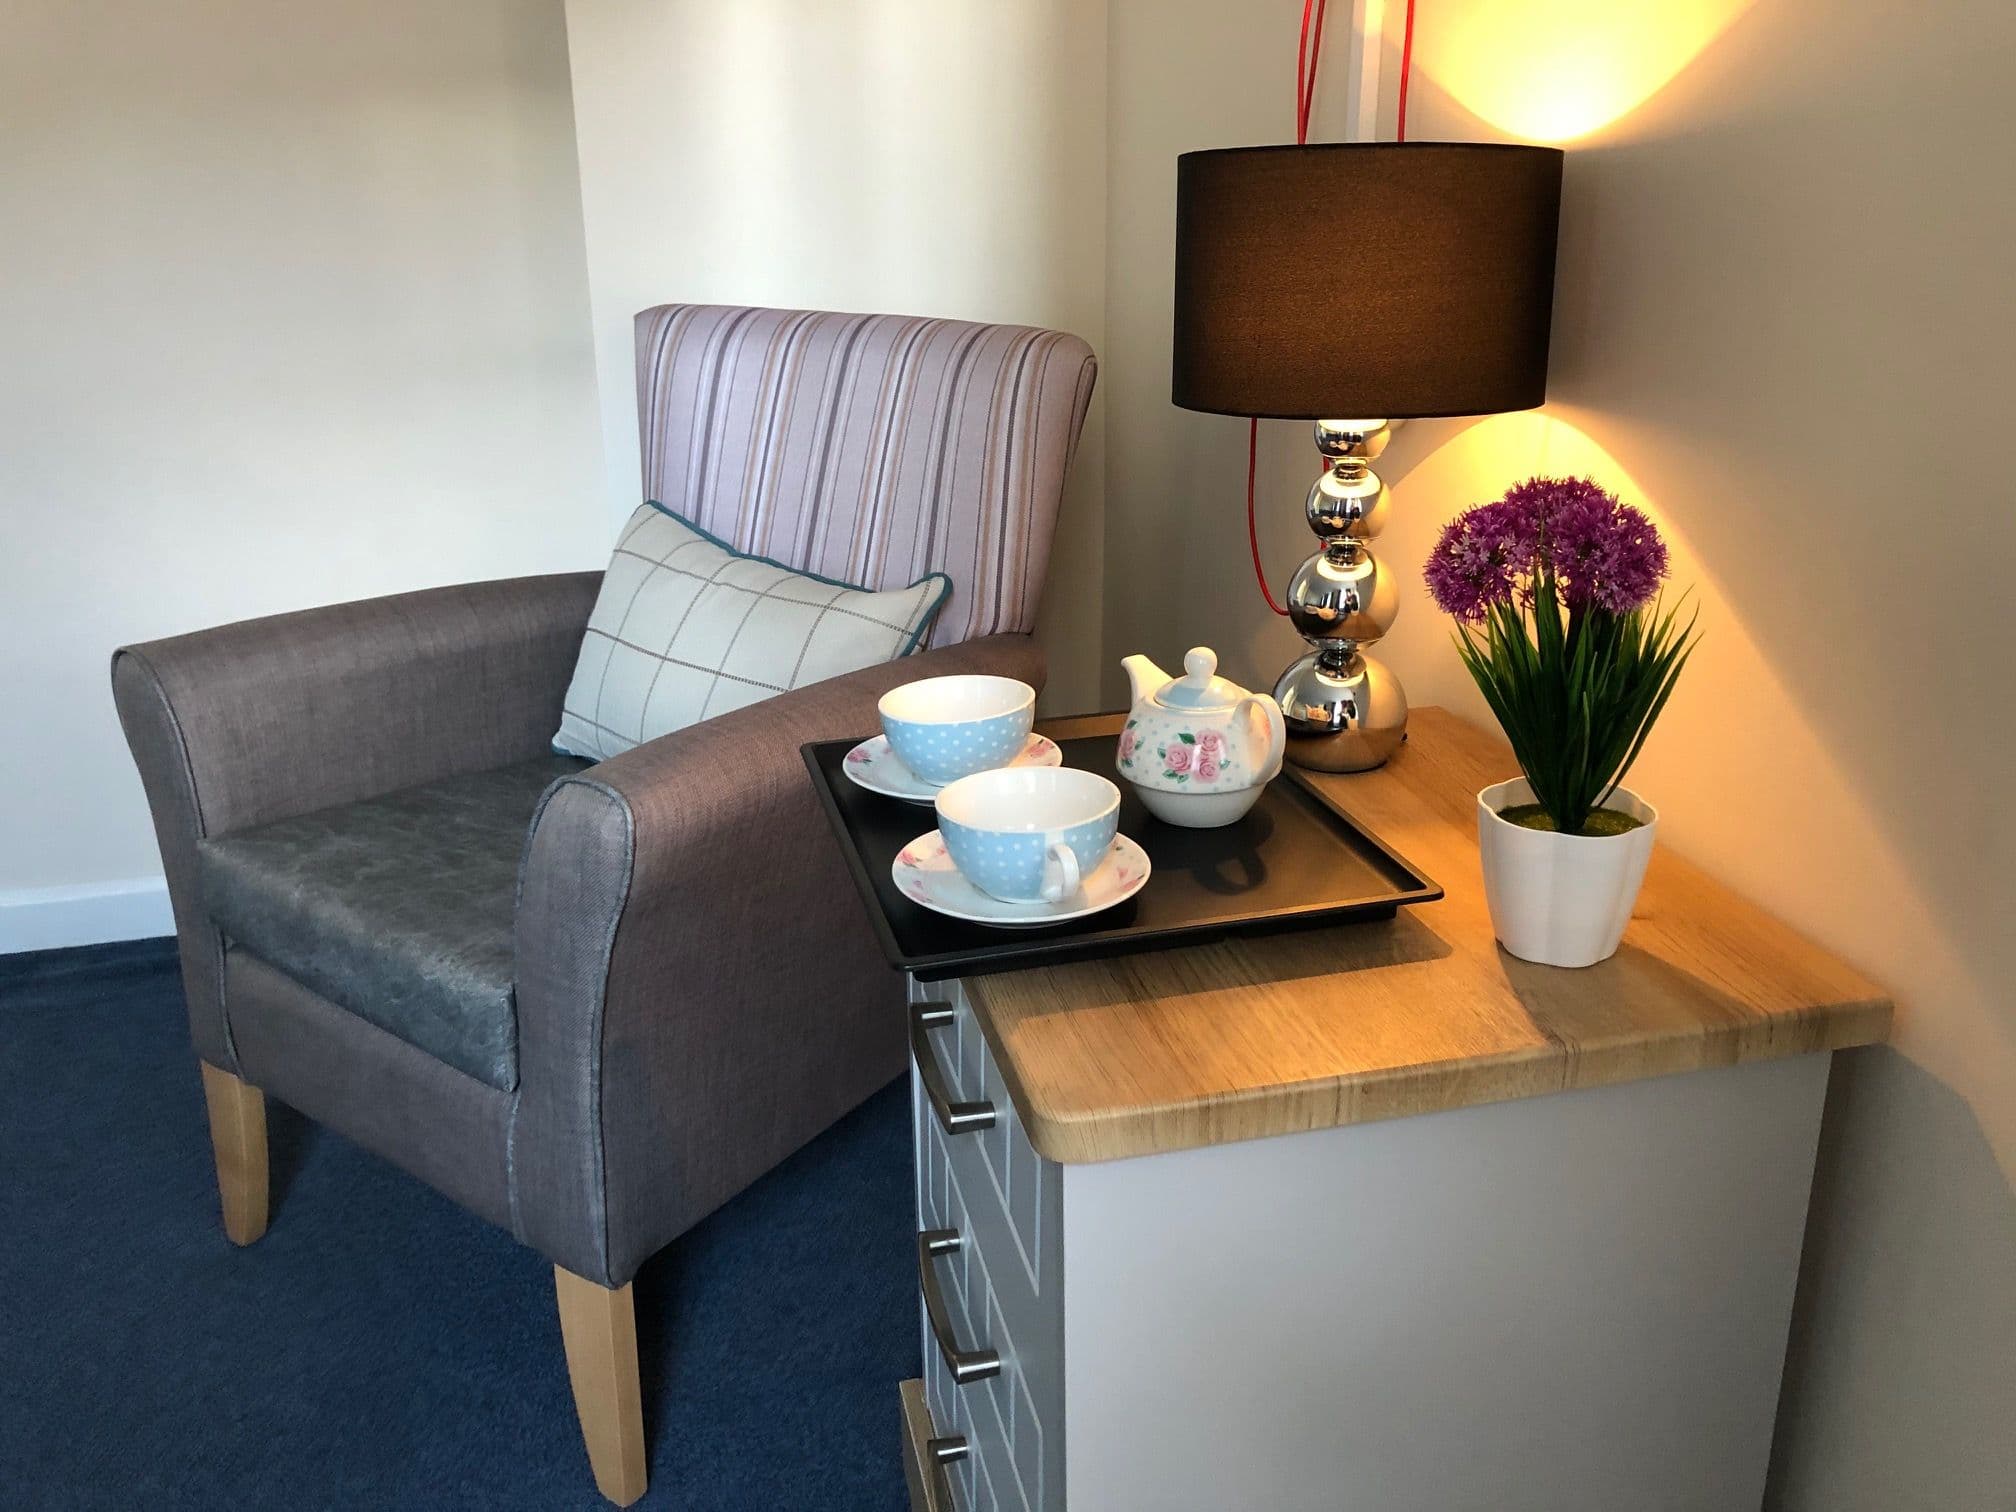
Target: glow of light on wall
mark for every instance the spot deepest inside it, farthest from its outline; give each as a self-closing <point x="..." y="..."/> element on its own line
<point x="1556" y="70"/>
<point x="1487" y="456"/>
<point x="1495" y="451"/>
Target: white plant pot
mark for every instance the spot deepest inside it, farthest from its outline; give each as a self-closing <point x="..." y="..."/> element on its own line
<point x="1561" y="900"/>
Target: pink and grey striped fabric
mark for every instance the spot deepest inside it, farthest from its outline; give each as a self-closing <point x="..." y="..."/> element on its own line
<point x="868" y="448"/>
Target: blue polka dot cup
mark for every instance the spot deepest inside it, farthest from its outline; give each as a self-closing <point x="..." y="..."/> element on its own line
<point x="945" y="728"/>
<point x="1028" y="834"/>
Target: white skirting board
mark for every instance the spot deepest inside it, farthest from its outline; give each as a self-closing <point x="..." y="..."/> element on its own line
<point x="88" y="913"/>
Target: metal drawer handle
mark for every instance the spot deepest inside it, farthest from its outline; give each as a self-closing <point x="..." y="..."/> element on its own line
<point x="965" y="1364"/>
<point x="953" y="1117"/>
<point x="938" y="1453"/>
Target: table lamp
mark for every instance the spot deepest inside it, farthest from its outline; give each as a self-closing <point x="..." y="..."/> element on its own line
<point x="1396" y="279"/>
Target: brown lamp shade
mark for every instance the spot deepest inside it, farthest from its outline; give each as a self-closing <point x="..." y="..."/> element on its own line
<point x="1379" y="280"/>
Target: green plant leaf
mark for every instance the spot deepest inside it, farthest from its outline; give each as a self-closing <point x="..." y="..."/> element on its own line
<point x="1576" y="693"/>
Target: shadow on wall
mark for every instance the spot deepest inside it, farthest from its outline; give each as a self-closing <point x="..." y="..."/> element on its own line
<point x="1776" y="332"/>
<point x="1737" y="352"/>
<point x="1783" y="326"/>
<point x="1911" y="1216"/>
<point x="1733" y="351"/>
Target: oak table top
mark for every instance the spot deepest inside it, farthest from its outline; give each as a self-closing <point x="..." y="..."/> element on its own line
<point x="1278" y="1034"/>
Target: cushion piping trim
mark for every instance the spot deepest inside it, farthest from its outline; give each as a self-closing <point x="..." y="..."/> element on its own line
<point x="930" y="613"/>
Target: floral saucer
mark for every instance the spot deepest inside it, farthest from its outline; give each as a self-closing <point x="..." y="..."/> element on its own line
<point x="875" y="767"/>
<point x="925" y="874"/>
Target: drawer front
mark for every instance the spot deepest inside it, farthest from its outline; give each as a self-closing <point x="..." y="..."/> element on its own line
<point x="1003" y="1284"/>
<point x="1022" y="1189"/>
<point x="925" y="1466"/>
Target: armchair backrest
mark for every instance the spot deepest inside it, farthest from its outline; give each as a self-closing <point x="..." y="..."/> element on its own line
<point x="868" y="448"/>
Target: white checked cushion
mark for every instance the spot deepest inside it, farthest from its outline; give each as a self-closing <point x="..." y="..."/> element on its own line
<point x="686" y="628"/>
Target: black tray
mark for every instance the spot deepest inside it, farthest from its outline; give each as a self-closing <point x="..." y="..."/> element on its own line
<point x="1295" y="861"/>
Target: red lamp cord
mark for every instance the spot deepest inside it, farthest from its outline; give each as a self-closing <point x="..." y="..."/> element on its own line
<point x="1308" y="50"/>
<point x="1406" y="73"/>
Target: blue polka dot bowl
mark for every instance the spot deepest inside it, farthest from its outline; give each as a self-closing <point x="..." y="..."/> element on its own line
<point x="1028" y="834"/>
<point x="945" y="728"/>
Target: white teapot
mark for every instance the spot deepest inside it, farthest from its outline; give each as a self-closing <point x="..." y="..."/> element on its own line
<point x="1198" y="748"/>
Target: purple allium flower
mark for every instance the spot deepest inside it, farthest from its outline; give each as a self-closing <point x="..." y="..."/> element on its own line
<point x="1622" y="563"/>
<point x="1476" y="561"/>
<point x="1601" y="552"/>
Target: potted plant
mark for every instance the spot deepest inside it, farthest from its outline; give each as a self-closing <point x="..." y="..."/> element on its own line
<point x="1555" y="593"/>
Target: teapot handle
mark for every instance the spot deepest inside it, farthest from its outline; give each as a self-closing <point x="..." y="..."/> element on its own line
<point x="1277" y="730"/>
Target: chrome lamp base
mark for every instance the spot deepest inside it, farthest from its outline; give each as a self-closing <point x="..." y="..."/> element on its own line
<point x="1345" y="711"/>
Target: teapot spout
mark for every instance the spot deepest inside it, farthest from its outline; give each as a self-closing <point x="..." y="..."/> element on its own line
<point x="1144" y="678"/>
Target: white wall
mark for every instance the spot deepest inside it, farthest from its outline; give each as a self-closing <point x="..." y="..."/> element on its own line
<point x="1784" y="325"/>
<point x="930" y="157"/>
<point x="295" y="312"/>
<point x="1187" y="75"/>
<point x="1813" y="404"/>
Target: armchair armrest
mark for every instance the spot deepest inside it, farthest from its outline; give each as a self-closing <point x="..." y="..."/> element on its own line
<point x="294" y="712"/>
<point x="699" y="991"/>
<point x="272" y="717"/>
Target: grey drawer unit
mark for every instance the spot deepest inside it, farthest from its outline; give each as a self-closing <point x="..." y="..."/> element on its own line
<point x="990" y="1257"/>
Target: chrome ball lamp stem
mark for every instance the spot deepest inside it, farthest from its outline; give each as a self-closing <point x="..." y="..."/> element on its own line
<point x="1344" y="710"/>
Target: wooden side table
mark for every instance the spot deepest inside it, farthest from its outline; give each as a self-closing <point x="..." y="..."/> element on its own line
<point x="1374" y="1217"/>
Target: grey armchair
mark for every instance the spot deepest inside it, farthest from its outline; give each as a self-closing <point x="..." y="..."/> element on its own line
<point x="555" y="991"/>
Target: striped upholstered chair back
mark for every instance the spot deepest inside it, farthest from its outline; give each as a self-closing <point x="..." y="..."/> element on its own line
<point x="868" y="448"/>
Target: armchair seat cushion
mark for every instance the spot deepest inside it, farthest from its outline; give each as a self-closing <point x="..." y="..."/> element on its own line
<point x="398" y="908"/>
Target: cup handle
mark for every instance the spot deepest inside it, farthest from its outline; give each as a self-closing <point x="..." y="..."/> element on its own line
<point x="1067" y="880"/>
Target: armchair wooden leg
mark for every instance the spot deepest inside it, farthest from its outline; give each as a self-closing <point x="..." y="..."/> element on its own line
<point x="238" y="1139"/>
<point x="599" y="1327"/>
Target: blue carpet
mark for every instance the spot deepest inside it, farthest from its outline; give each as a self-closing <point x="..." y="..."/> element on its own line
<point x="380" y="1348"/>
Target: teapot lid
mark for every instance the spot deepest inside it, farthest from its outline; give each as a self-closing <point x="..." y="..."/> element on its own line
<point x="1200" y="687"/>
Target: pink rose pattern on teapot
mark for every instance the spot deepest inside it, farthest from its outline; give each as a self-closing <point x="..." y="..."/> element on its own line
<point x="1189" y="755"/>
